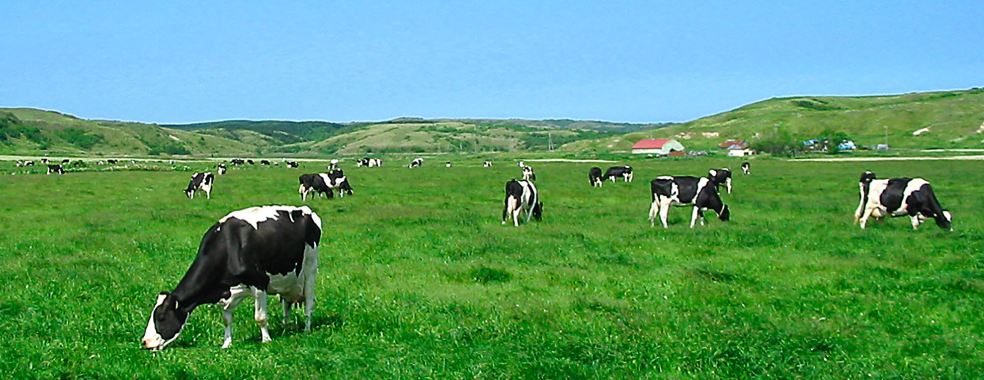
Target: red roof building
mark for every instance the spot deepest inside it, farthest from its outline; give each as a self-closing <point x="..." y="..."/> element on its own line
<point x="660" y="147"/>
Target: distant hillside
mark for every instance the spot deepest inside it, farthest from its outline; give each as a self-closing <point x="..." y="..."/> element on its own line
<point x="950" y="119"/>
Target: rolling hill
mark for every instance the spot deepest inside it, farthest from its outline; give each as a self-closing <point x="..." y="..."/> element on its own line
<point x="944" y="120"/>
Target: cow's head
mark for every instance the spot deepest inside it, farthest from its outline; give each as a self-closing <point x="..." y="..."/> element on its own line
<point x="945" y="220"/>
<point x="166" y="322"/>
<point x="538" y="211"/>
<point x="725" y="214"/>
<point x="867" y="177"/>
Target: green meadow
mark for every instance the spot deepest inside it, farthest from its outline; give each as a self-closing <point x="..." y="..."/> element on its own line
<point x="419" y="279"/>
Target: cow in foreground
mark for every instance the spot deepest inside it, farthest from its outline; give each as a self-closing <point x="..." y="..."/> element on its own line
<point x="899" y="197"/>
<point x="324" y="184"/>
<point x="720" y="177"/>
<point x="521" y="196"/>
<point x="254" y="252"/>
<point x="200" y="181"/>
<point x="594" y="176"/>
<point x="55" y="169"/>
<point x="619" y="171"/>
<point x="746" y="168"/>
<point x="699" y="192"/>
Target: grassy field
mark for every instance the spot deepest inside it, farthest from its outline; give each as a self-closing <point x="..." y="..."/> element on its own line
<point x="418" y="278"/>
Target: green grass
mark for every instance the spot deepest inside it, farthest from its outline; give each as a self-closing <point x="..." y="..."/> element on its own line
<point x="418" y="278"/>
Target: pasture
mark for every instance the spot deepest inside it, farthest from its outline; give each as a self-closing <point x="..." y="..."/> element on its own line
<point x="419" y="279"/>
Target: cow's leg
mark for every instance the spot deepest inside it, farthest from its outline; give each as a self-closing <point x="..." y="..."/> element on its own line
<point x="916" y="220"/>
<point x="653" y="212"/>
<point x="728" y="182"/>
<point x="664" y="212"/>
<point x="865" y="216"/>
<point x="260" y="315"/>
<point x="693" y="218"/>
<point x="237" y="295"/>
<point x="287" y="306"/>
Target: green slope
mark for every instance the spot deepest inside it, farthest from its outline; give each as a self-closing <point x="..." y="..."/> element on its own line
<point x="954" y="119"/>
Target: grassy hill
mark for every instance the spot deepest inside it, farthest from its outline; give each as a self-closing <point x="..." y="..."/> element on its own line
<point x="953" y="118"/>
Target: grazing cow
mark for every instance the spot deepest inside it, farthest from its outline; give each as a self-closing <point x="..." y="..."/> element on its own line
<point x="594" y="176"/>
<point x="254" y="252"/>
<point x="200" y="181"/>
<point x="44" y="161"/>
<point x="746" y="168"/>
<point x="250" y="162"/>
<point x="292" y="164"/>
<point x="369" y="162"/>
<point x="898" y="197"/>
<point x="324" y="184"/>
<point x="447" y="164"/>
<point x="221" y="169"/>
<point x="528" y="174"/>
<point x="487" y="164"/>
<point x="265" y="162"/>
<point x="55" y="169"/>
<point x="720" y="177"/>
<point x="332" y="165"/>
<point x="521" y="164"/>
<point x="416" y="162"/>
<point x="521" y="196"/>
<point x="684" y="191"/>
<point x="619" y="171"/>
<point x="28" y="163"/>
<point x="112" y="161"/>
<point x="238" y="161"/>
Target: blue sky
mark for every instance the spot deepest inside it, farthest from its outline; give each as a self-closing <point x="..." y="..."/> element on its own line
<point x="631" y="61"/>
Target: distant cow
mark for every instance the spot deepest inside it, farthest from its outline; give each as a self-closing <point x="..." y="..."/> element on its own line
<point x="44" y="161"/>
<point x="746" y="168"/>
<point x="292" y="164"/>
<point x="28" y="163"/>
<point x="238" y="161"/>
<point x="720" y="177"/>
<point x="594" y="176"/>
<point x="898" y="197"/>
<point x="685" y="191"/>
<point x="324" y="184"/>
<point x="416" y="162"/>
<point x="112" y="161"/>
<point x="255" y="252"/>
<point x="200" y="181"/>
<point x="65" y="161"/>
<point x="250" y="162"/>
<point x="447" y="164"/>
<point x="265" y="162"/>
<point x="619" y="171"/>
<point x="55" y="169"/>
<point x="487" y="164"/>
<point x="521" y="196"/>
<point x="332" y="165"/>
<point x="369" y="162"/>
<point x="221" y="169"/>
<point x="528" y="174"/>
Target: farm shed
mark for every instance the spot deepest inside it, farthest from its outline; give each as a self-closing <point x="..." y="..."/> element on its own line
<point x="661" y="147"/>
<point x="734" y="144"/>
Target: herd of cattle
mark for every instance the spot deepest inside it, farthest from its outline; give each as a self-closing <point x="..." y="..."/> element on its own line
<point x="273" y="250"/>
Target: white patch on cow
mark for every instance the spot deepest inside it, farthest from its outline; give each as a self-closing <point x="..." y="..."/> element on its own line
<point x="255" y="215"/>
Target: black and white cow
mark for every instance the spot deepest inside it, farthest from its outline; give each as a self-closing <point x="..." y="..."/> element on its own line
<point x="265" y="162"/>
<point x="332" y="165"/>
<point x="369" y="162"/>
<point x="324" y="184"/>
<point x="447" y="164"/>
<point x="746" y="168"/>
<point x="44" y="161"/>
<point x="292" y="164"/>
<point x="487" y="164"/>
<point x="250" y="162"/>
<point x="619" y="171"/>
<point x="528" y="174"/>
<point x="238" y="161"/>
<point x="720" y="177"/>
<point x="55" y="169"/>
<point x="254" y="252"/>
<point x="521" y="196"/>
<point x="594" y="176"/>
<point x="112" y="161"/>
<point x="221" y="169"/>
<point x="699" y="192"/>
<point x="416" y="162"/>
<point x="200" y="181"/>
<point x="899" y="197"/>
<point x="25" y="163"/>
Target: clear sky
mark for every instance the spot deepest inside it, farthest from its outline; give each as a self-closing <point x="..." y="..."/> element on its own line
<point x="633" y="61"/>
